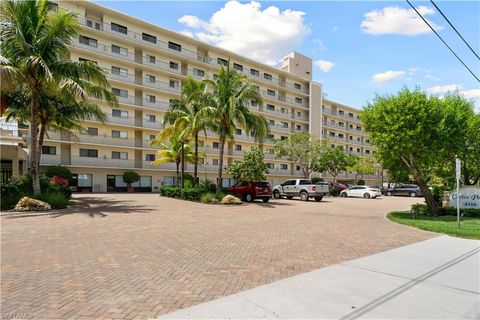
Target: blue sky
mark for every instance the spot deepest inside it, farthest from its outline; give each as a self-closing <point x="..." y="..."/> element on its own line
<point x="361" y="48"/>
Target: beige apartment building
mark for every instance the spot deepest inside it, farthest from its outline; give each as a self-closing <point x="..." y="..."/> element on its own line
<point x="146" y="66"/>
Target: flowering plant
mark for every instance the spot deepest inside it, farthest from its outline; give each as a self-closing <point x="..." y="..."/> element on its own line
<point x="59" y="181"/>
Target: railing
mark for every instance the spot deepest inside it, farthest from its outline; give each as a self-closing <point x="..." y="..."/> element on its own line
<point x="160" y="85"/>
<point x="282" y="98"/>
<point x="103" y="49"/>
<point x="280" y="128"/>
<point x="279" y="171"/>
<point x="157" y="125"/>
<point x="161" y="65"/>
<point x="102" y="162"/>
<point x="50" y="159"/>
<point x="128" y="78"/>
<point x="329" y="111"/>
<point x="159" y="105"/>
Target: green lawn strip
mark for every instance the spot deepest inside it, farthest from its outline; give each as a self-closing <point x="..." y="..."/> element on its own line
<point x="469" y="227"/>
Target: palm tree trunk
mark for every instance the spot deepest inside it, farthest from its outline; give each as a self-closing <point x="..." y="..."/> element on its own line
<point x="33" y="143"/>
<point x="41" y="137"/>
<point x="178" y="172"/>
<point x="195" y="167"/>
<point x="220" y="161"/>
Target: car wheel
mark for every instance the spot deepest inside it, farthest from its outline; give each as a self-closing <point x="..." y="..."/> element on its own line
<point x="366" y="195"/>
<point x="276" y="194"/>
<point x="304" y="196"/>
<point x="343" y="194"/>
<point x="248" y="197"/>
<point x="413" y="194"/>
<point x="266" y="199"/>
<point x="389" y="194"/>
<point x="318" y="199"/>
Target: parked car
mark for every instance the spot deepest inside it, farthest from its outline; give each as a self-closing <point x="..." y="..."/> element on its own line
<point x="302" y="188"/>
<point x="338" y="185"/>
<point x="409" y="190"/>
<point x="249" y="191"/>
<point x="361" y="191"/>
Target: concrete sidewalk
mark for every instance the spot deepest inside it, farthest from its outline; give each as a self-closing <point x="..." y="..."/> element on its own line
<point x="434" y="279"/>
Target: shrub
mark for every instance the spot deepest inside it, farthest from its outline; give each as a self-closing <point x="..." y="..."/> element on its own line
<point x="130" y="177"/>
<point x="419" y="209"/>
<point x="361" y="182"/>
<point x="334" y="192"/>
<point x="56" y="200"/>
<point x="60" y="171"/>
<point x="449" y="211"/>
<point x="317" y="180"/>
<point x="207" y="197"/>
<point x="192" y="194"/>
<point x="207" y="186"/>
<point x="25" y="186"/>
<point x="66" y="191"/>
<point x="59" y="181"/>
<point x="10" y="196"/>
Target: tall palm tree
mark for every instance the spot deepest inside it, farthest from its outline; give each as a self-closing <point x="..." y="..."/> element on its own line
<point x="232" y="94"/>
<point x="190" y="115"/>
<point x="34" y="46"/>
<point x="172" y="152"/>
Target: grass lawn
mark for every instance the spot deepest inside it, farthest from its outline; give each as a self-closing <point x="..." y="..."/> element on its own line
<point x="469" y="227"/>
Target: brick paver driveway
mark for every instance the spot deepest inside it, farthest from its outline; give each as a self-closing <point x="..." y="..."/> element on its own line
<point x="131" y="256"/>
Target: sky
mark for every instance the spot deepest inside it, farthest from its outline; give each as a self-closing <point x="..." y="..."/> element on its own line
<point x="359" y="48"/>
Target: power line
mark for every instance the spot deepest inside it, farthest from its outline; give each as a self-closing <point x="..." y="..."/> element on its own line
<point x="451" y="25"/>
<point x="428" y="24"/>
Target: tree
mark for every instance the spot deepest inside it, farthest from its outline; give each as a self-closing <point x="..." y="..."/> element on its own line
<point x="418" y="134"/>
<point x="130" y="177"/>
<point x="251" y="168"/>
<point x="334" y="161"/>
<point x="34" y="46"/>
<point x="190" y="115"/>
<point x="172" y="152"/>
<point x="470" y="154"/>
<point x="303" y="150"/>
<point x="232" y="94"/>
<point x="361" y="166"/>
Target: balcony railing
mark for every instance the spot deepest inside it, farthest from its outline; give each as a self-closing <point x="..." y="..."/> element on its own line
<point x="103" y="49"/>
<point x="160" y="85"/>
<point x="102" y="162"/>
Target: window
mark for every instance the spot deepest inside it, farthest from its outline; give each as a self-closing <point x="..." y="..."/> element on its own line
<point x="350" y="126"/>
<point x="120" y="71"/>
<point x="298" y="100"/>
<point x="149" y="38"/>
<point x="304" y="182"/>
<point x="151" y="118"/>
<point x="271" y="92"/>
<point x="284" y="124"/>
<point x="283" y="110"/>
<point x="298" y="127"/>
<point x="173" y="83"/>
<point x="118" y="28"/>
<point x="271" y="122"/>
<point x="150" y="78"/>
<point x="340" y="135"/>
<point x="367" y="151"/>
<point x="84" y="180"/>
<point x="358" y="149"/>
<point x="49" y="150"/>
<point x="267" y="76"/>
<point x="151" y="59"/>
<point x="215" y="162"/>
<point x="119" y="155"/>
<point x="171" y="101"/>
<point x="150" y="157"/>
<point x="351" y="137"/>
<point x="341" y="112"/>
<point x="119" y="134"/>
<point x="270" y="165"/>
<point x="174" y="46"/>
<point x="88" y="41"/>
<point x="359" y="128"/>
<point x="92" y="131"/>
<point x="238" y="131"/>
<point x="254" y="72"/>
<point x="119" y="113"/>
<point x="350" y="115"/>
<point x="90" y="153"/>
<point x="253" y="103"/>
<point x="299" y="114"/>
<point x="283" y="166"/>
<point x="270" y="136"/>
<point x="222" y="62"/>
<point x="120" y="92"/>
<point x="173" y="65"/>
<point x="283" y="138"/>
<point x="151" y="98"/>
<point x="93" y="24"/>
<point x="238" y="147"/>
<point x="297" y="86"/>
<point x="341" y="124"/>
<point x="238" y="67"/>
<point x="270" y="107"/>
<point x="216" y="145"/>
<point x="198" y="72"/>
<point x="332" y="134"/>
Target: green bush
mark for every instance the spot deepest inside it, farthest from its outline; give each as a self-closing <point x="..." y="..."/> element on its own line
<point x="317" y="180"/>
<point x="208" y="197"/>
<point x="60" y="171"/>
<point x="55" y="188"/>
<point x="56" y="199"/>
<point x="419" y="209"/>
<point x="130" y="177"/>
<point x="361" y="182"/>
<point x="25" y="185"/>
<point x="10" y="196"/>
<point x="192" y="194"/>
<point x="207" y="186"/>
<point x="334" y="192"/>
<point x="449" y="211"/>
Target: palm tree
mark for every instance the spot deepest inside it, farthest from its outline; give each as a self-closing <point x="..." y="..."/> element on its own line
<point x="34" y="46"/>
<point x="190" y="115"/>
<point x="232" y="94"/>
<point x="172" y="152"/>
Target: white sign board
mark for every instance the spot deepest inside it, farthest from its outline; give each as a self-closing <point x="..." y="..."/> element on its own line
<point x="469" y="198"/>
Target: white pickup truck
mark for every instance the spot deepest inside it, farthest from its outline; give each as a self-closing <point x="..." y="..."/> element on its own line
<point x="302" y="188"/>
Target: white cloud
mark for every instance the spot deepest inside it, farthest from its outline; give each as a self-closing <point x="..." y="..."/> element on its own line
<point x="440" y="90"/>
<point x="324" y="65"/>
<point x="471" y="94"/>
<point x="387" y="76"/>
<point x="395" y="20"/>
<point x="244" y="28"/>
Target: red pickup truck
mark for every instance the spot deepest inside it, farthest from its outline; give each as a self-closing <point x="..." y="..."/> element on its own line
<point x="249" y="191"/>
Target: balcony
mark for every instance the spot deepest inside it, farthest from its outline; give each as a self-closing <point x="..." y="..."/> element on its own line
<point x="102" y="162"/>
<point x="127" y="78"/>
<point x="282" y="98"/>
<point x="48" y="159"/>
<point x="156" y="125"/>
<point x="280" y="128"/>
<point x="160" y="65"/>
<point x="161" y="85"/>
<point x="105" y="50"/>
<point x="279" y="172"/>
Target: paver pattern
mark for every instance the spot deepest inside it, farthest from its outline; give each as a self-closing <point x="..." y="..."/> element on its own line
<point x="137" y="256"/>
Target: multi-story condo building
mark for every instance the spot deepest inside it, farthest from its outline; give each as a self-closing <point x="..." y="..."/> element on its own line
<point x="146" y="66"/>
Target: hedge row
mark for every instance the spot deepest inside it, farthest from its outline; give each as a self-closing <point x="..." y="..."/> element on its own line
<point x="192" y="194"/>
<point x="421" y="209"/>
